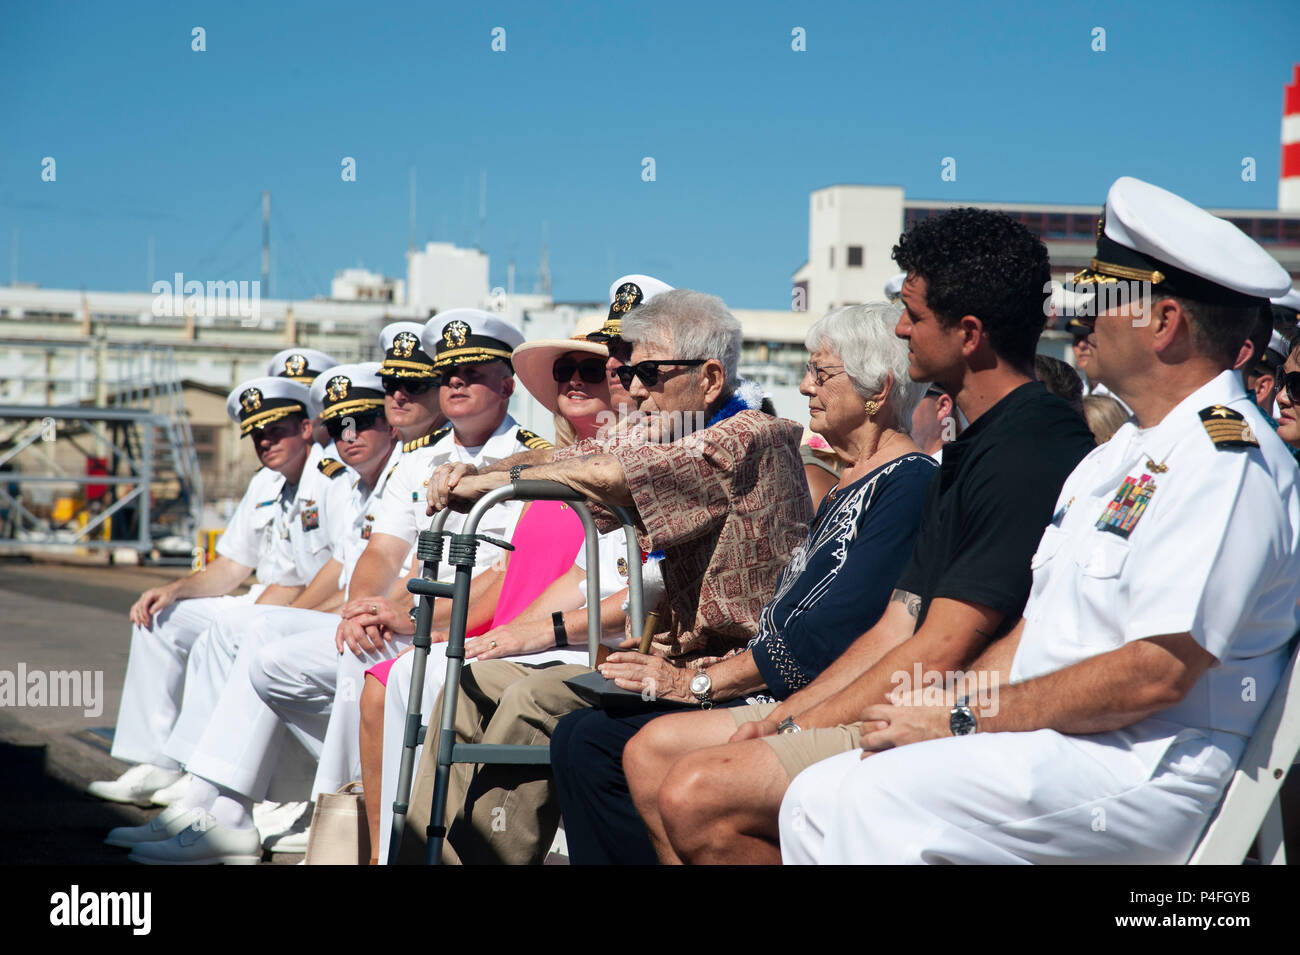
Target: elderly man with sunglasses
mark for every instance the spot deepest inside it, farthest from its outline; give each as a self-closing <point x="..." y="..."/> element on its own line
<point x="726" y="502"/>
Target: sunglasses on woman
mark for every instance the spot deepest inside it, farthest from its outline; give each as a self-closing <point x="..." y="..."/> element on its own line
<point x="1291" y="385"/>
<point x="412" y="386"/>
<point x="590" y="370"/>
<point x="648" y="371"/>
<point x="337" y="427"/>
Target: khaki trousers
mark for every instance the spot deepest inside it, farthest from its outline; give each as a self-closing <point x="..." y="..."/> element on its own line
<point x="495" y="814"/>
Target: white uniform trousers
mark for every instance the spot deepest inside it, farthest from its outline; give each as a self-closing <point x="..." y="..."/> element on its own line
<point x="155" y="675"/>
<point x="240" y="745"/>
<point x="1001" y="798"/>
<point x="297" y="677"/>
<point x="212" y="661"/>
<point x="396" y="698"/>
<point x="340" y="758"/>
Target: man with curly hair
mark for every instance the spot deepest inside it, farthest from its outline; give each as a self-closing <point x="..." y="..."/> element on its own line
<point x="973" y="315"/>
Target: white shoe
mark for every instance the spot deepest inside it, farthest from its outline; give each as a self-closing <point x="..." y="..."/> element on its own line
<point x="293" y="839"/>
<point x="277" y="818"/>
<point x="204" y="842"/>
<point x="136" y="785"/>
<point x="173" y="793"/>
<point x="166" y="824"/>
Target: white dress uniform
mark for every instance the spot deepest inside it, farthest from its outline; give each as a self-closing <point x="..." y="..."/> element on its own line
<point x="324" y="510"/>
<point x="1189" y="526"/>
<point x="613" y="578"/>
<point x="257" y="536"/>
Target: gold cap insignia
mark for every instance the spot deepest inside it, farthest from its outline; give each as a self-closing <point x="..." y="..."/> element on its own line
<point x="251" y="400"/>
<point x="295" y="365"/>
<point x="455" y="333"/>
<point x="626" y="298"/>
<point x="338" y="387"/>
<point x="404" y="344"/>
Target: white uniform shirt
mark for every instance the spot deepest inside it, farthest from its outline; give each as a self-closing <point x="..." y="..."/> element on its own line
<point x="401" y="511"/>
<point x="363" y="503"/>
<point x="253" y="536"/>
<point x="1214" y="552"/>
<point x="320" y="504"/>
<point x="612" y="550"/>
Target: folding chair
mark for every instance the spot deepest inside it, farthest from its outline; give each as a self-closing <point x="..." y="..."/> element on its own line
<point x="1252" y="802"/>
<point x="462" y="554"/>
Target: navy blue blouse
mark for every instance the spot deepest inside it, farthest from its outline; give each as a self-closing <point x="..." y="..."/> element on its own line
<point x="837" y="584"/>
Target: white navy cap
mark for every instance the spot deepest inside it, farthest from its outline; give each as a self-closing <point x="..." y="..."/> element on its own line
<point x="1291" y="300"/>
<point x="300" y="364"/>
<point x="894" y="287"/>
<point x="259" y="401"/>
<point x="404" y="357"/>
<point x="624" y="295"/>
<point x="347" y="390"/>
<point x="1148" y="234"/>
<point x="468" y="336"/>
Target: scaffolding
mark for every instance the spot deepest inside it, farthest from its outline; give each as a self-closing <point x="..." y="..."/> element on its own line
<point x="107" y="423"/>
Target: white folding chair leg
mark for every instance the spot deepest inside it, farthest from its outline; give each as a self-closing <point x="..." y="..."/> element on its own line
<point x="1272" y="848"/>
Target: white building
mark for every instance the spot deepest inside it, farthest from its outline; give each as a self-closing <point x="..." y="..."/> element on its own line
<point x="362" y="285"/>
<point x="442" y="277"/>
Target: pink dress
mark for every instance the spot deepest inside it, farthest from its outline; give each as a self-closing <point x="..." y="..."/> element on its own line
<point x="546" y="541"/>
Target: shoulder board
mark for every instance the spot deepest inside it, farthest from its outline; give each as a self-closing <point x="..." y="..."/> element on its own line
<point x="330" y="467"/>
<point x="534" y="442"/>
<point x="1227" y="428"/>
<point x="391" y="470"/>
<point x="425" y="440"/>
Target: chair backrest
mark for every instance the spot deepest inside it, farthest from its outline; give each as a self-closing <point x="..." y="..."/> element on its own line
<point x="1259" y="776"/>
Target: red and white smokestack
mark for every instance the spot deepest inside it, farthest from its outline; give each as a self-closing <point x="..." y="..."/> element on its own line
<point x="1288" y="187"/>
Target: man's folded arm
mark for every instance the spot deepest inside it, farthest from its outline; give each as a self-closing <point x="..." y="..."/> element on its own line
<point x="1106" y="692"/>
<point x="955" y="632"/>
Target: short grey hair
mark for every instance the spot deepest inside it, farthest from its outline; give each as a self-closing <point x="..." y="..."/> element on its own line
<point x="862" y="337"/>
<point x="696" y="325"/>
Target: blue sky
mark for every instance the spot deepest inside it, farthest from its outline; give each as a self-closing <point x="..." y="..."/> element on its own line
<point x="153" y="139"/>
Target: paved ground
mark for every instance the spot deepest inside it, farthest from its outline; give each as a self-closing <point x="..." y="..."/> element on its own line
<point x="65" y="617"/>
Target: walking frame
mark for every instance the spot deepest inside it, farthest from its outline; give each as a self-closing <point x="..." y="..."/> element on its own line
<point x="464" y="546"/>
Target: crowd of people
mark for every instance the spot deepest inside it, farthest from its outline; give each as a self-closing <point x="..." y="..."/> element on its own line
<point x="985" y="608"/>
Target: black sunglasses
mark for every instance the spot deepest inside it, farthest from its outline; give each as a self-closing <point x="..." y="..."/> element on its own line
<point x="1291" y="385"/>
<point x="337" y="427"/>
<point x="590" y="370"/>
<point x="412" y="386"/>
<point x="648" y="371"/>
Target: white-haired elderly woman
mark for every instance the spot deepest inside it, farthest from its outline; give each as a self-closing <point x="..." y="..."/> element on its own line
<point x="860" y="400"/>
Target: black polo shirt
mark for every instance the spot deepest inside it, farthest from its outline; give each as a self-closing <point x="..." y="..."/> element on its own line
<point x="986" y="510"/>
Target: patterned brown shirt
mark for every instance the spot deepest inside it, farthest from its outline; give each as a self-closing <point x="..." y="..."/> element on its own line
<point x="727" y="505"/>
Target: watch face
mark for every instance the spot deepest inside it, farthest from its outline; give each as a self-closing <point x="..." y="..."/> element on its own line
<point x="961" y="722"/>
<point x="701" y="684"/>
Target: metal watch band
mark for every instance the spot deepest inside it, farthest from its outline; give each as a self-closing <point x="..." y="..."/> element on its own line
<point x="516" y="470"/>
<point x="561" y="635"/>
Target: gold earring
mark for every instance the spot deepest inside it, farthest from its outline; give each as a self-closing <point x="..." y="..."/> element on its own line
<point x="871" y="407"/>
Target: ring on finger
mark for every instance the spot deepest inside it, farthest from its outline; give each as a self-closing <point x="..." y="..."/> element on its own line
<point x="492" y="644"/>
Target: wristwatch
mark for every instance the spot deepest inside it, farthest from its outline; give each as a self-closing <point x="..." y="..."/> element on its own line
<point x="702" y="687"/>
<point x="788" y="726"/>
<point x="561" y="635"/>
<point x="961" y="720"/>
<point x="516" y="470"/>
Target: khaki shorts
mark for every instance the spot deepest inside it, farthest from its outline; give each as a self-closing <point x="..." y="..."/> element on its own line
<point x="797" y="751"/>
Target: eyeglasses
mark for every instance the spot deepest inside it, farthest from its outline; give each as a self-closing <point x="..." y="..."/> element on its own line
<point x="337" y="427"/>
<point x="1291" y="385"/>
<point x="275" y="431"/>
<point x="818" y="372"/>
<point x="412" y="386"/>
<point x="934" y="391"/>
<point x="590" y="370"/>
<point x="648" y="371"/>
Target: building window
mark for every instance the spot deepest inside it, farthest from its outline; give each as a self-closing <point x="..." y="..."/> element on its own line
<point x="855" y="257"/>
